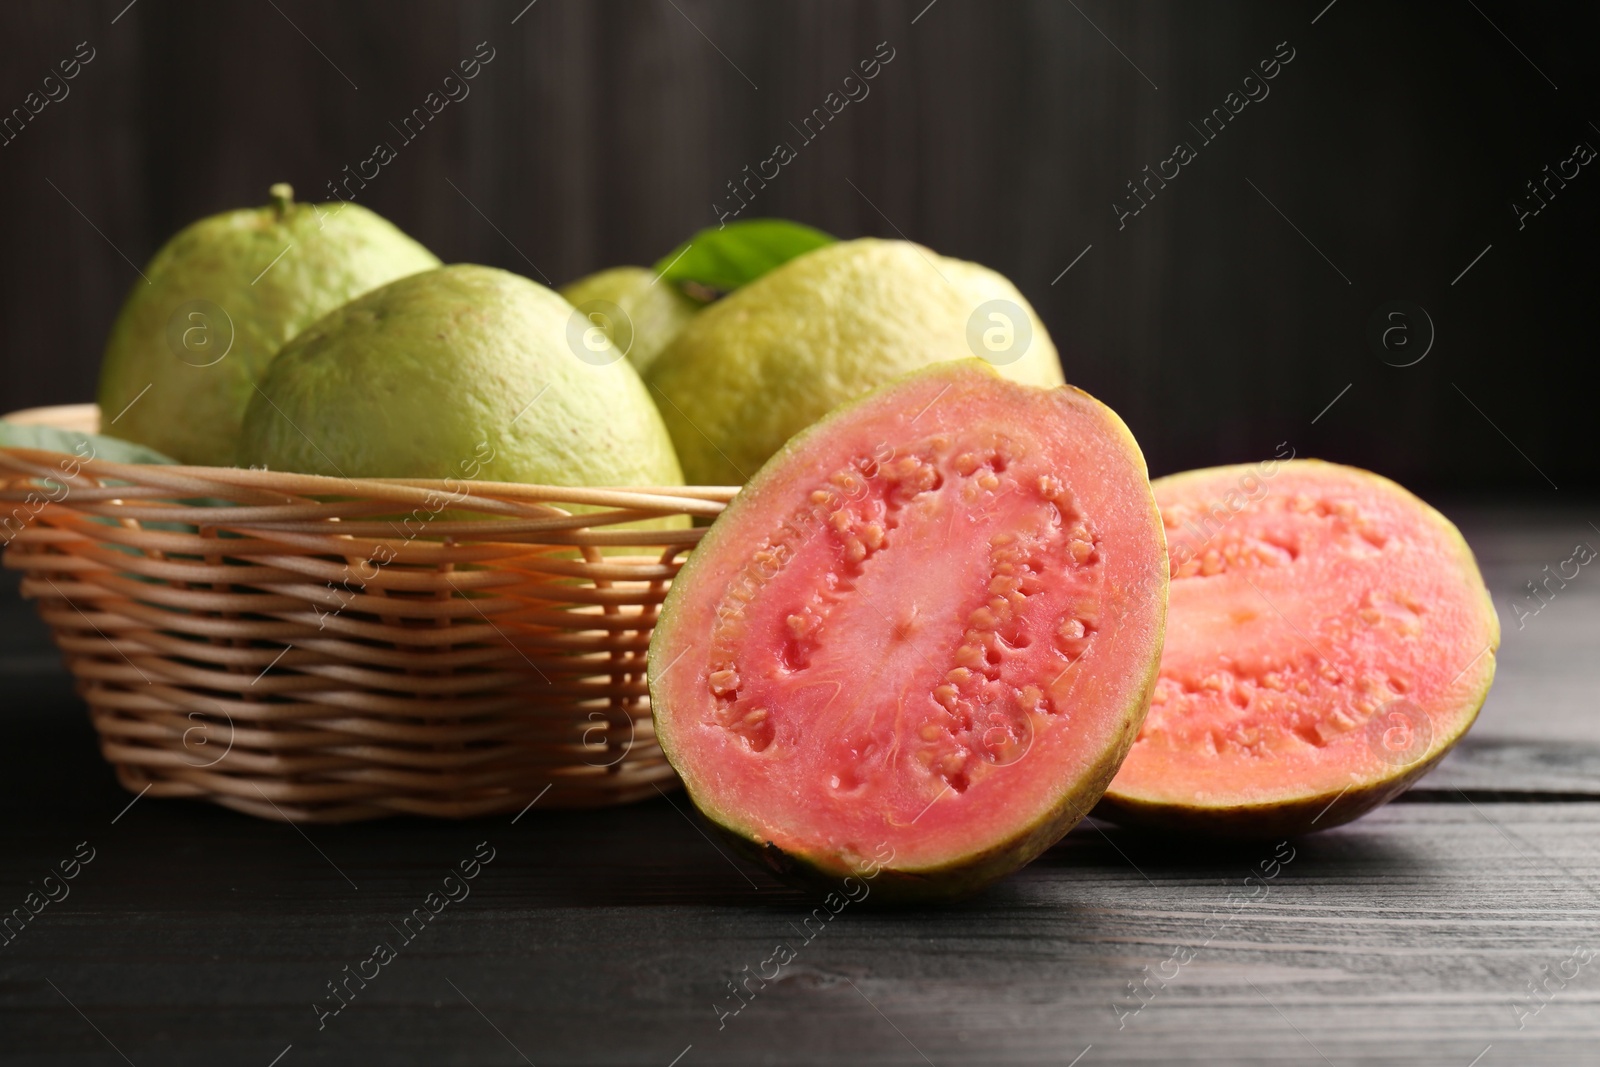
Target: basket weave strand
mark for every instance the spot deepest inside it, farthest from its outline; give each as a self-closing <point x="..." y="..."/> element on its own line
<point x="326" y="649"/>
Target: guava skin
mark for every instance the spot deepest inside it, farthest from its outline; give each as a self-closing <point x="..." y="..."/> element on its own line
<point x="1289" y="818"/>
<point x="263" y="274"/>
<point x="774" y="356"/>
<point x="969" y="874"/>
<point x="656" y="310"/>
<point x="461" y="372"/>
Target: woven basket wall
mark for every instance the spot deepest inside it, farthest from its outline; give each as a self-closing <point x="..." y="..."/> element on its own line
<point x="326" y="649"/>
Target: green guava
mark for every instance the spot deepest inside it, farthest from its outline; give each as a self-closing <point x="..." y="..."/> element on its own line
<point x="652" y="311"/>
<point x="219" y="300"/>
<point x="760" y="365"/>
<point x="464" y="371"/>
<point x="917" y="645"/>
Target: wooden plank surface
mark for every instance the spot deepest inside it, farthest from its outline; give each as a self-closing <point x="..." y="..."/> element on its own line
<point x="198" y="936"/>
<point x="1548" y="683"/>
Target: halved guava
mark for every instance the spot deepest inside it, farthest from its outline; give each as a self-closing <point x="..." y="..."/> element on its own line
<point x="919" y="642"/>
<point x="1330" y="638"/>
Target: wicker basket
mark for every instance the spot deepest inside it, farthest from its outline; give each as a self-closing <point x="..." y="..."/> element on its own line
<point x="315" y="649"/>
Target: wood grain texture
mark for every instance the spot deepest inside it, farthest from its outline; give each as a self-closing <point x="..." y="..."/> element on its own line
<point x="602" y="133"/>
<point x="1486" y="768"/>
<point x="199" y="936"/>
<point x="1548" y="681"/>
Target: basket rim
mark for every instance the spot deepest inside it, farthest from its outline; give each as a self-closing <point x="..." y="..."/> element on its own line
<point x="193" y="480"/>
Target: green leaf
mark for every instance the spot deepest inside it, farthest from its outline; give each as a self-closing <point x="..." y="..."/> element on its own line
<point x="717" y="260"/>
<point x="77" y="443"/>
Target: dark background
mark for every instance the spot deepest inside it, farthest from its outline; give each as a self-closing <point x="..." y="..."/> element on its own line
<point x="1002" y="132"/>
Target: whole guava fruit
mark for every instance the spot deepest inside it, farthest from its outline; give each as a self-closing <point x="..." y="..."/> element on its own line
<point x="760" y="365"/>
<point x="463" y="371"/>
<point x="652" y="311"/>
<point x="219" y="300"/>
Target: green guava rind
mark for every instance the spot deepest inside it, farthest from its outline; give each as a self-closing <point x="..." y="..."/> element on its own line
<point x="961" y="875"/>
<point x="1290" y="818"/>
<point x="414" y="378"/>
<point x="656" y="309"/>
<point x="965" y="875"/>
<point x="1324" y="809"/>
<point x="325" y="254"/>
<point x="758" y="366"/>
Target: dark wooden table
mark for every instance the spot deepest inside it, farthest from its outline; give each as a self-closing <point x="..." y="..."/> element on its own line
<point x="198" y="936"/>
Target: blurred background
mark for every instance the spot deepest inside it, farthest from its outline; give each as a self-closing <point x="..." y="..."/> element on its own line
<point x="1355" y="264"/>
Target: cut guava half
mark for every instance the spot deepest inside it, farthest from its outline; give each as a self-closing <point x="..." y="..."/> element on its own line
<point x="917" y="645"/>
<point x="1330" y="638"/>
